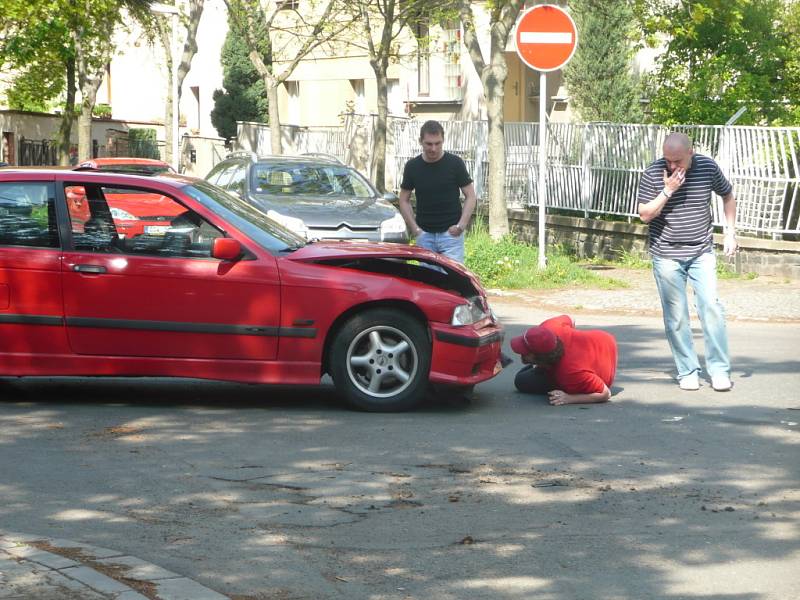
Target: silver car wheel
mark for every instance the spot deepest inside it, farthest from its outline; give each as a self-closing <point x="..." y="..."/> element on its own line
<point x="382" y="361"/>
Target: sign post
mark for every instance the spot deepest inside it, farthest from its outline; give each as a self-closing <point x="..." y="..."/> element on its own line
<point x="546" y="39"/>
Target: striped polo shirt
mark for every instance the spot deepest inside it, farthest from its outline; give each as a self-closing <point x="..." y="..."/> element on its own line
<point x="684" y="229"/>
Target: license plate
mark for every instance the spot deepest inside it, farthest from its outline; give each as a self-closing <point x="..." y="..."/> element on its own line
<point x="156" y="229"/>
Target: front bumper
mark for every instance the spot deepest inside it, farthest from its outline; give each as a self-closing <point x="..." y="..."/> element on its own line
<point x="465" y="355"/>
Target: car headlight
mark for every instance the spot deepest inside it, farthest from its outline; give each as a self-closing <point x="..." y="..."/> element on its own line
<point x="394" y="225"/>
<point x="291" y="223"/>
<point x="121" y="215"/>
<point x="467" y="314"/>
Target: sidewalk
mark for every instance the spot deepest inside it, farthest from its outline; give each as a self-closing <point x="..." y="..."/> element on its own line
<point x="40" y="568"/>
<point x="764" y="298"/>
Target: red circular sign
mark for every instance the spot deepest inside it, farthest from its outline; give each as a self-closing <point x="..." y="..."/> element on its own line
<point x="546" y="37"/>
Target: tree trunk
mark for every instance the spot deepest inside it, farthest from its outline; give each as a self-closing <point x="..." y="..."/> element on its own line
<point x="274" y="116"/>
<point x="88" y="98"/>
<point x="378" y="164"/>
<point x="67" y="118"/>
<point x="166" y="42"/>
<point x="493" y="77"/>
<point x="494" y="80"/>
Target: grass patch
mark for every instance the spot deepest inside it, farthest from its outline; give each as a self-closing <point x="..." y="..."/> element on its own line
<point x="508" y="264"/>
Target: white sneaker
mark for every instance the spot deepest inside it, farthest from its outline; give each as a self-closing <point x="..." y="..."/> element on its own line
<point x="690" y="382"/>
<point x="721" y="382"/>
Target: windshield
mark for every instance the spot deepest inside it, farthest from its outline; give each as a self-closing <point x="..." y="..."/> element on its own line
<point x="288" y="179"/>
<point x="255" y="224"/>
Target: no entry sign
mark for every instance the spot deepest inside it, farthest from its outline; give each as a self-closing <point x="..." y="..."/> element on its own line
<point x="546" y="37"/>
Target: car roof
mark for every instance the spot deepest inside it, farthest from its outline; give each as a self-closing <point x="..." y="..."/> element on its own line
<point x="303" y="159"/>
<point x="66" y="173"/>
<point x="123" y="160"/>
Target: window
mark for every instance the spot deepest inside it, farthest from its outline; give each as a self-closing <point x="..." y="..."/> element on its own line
<point x="134" y="221"/>
<point x="289" y="5"/>
<point x="423" y="60"/>
<point x="310" y="180"/>
<point x="27" y="215"/>
<point x="236" y="184"/>
<point x="360" y="98"/>
<point x="293" y="90"/>
<point x="395" y="97"/>
<point x="214" y="174"/>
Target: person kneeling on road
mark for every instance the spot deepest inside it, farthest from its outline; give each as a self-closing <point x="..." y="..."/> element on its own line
<point x="571" y="366"/>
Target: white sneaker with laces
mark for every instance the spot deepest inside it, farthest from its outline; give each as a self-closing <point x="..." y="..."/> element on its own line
<point x="721" y="382"/>
<point x="690" y="382"/>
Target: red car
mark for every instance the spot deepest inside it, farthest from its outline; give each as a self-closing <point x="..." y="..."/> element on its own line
<point x="226" y="293"/>
<point x="135" y="212"/>
<point x="126" y="164"/>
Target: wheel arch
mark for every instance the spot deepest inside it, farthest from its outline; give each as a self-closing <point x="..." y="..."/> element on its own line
<point x="403" y="305"/>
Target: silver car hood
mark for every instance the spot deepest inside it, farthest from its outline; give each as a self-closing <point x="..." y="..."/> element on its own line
<point x="327" y="211"/>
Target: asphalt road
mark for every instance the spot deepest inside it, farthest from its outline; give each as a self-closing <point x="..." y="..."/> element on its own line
<point x="264" y="493"/>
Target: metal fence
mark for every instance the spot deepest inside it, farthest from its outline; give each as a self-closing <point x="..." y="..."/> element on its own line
<point x="592" y="169"/>
<point x="595" y="169"/>
<point x="37" y="153"/>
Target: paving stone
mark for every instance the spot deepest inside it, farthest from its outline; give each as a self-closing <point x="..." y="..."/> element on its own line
<point x="137" y="568"/>
<point x="185" y="589"/>
<point x="95" y="580"/>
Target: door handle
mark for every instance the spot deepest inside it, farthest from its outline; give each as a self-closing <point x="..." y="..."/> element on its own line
<point x="89" y="268"/>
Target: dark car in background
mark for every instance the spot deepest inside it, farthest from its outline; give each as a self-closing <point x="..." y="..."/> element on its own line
<point x="315" y="196"/>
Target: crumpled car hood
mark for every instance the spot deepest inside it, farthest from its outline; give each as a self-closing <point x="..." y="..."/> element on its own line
<point x="345" y="252"/>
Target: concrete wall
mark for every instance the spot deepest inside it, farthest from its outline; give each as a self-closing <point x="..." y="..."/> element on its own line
<point x="591" y="238"/>
<point x="43" y="126"/>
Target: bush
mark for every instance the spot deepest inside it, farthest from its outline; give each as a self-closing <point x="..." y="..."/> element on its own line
<point x="142" y="143"/>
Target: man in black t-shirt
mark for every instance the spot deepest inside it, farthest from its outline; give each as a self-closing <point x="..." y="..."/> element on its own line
<point x="675" y="200"/>
<point x="437" y="177"/>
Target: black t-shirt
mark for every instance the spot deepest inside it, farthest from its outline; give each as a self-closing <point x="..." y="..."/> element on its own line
<point x="437" y="186"/>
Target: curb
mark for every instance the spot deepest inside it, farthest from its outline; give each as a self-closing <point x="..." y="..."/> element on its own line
<point x="42" y="567"/>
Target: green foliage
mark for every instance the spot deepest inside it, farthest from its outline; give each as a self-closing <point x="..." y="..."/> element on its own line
<point x="721" y="55"/>
<point x="143" y="143"/>
<point x="102" y="111"/>
<point x="509" y="264"/>
<point x="244" y="97"/>
<point x="602" y="85"/>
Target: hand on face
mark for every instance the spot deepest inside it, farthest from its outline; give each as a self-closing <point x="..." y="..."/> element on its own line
<point x="674" y="181"/>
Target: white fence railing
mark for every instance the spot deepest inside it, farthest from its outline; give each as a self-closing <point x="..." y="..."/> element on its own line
<point x="593" y="169"/>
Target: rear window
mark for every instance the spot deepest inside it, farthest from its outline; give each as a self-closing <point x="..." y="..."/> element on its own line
<point x="136" y="169"/>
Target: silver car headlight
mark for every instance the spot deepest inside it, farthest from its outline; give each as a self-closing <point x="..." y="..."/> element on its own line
<point x="291" y="223"/>
<point x="394" y="225"/>
<point x="467" y="314"/>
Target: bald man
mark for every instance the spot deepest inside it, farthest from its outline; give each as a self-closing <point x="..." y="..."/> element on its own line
<point x="675" y="200"/>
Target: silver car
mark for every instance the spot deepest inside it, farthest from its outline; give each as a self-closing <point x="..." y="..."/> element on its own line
<point x="315" y="196"/>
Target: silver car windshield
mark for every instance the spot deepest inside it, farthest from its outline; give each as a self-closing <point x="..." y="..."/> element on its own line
<point x="267" y="233"/>
<point x="286" y="179"/>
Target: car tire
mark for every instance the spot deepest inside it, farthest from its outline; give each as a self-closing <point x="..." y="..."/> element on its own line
<point x="380" y="360"/>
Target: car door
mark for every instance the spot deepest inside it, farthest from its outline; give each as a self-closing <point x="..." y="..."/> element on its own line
<point x="31" y="304"/>
<point x="159" y="292"/>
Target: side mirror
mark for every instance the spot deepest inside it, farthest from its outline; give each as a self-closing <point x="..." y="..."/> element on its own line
<point x="226" y="249"/>
<point x="390" y="197"/>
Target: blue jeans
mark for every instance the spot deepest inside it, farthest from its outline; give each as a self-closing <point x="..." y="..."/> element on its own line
<point x="443" y="243"/>
<point x="671" y="277"/>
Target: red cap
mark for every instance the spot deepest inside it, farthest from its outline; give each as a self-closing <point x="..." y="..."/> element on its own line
<point x="537" y="340"/>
